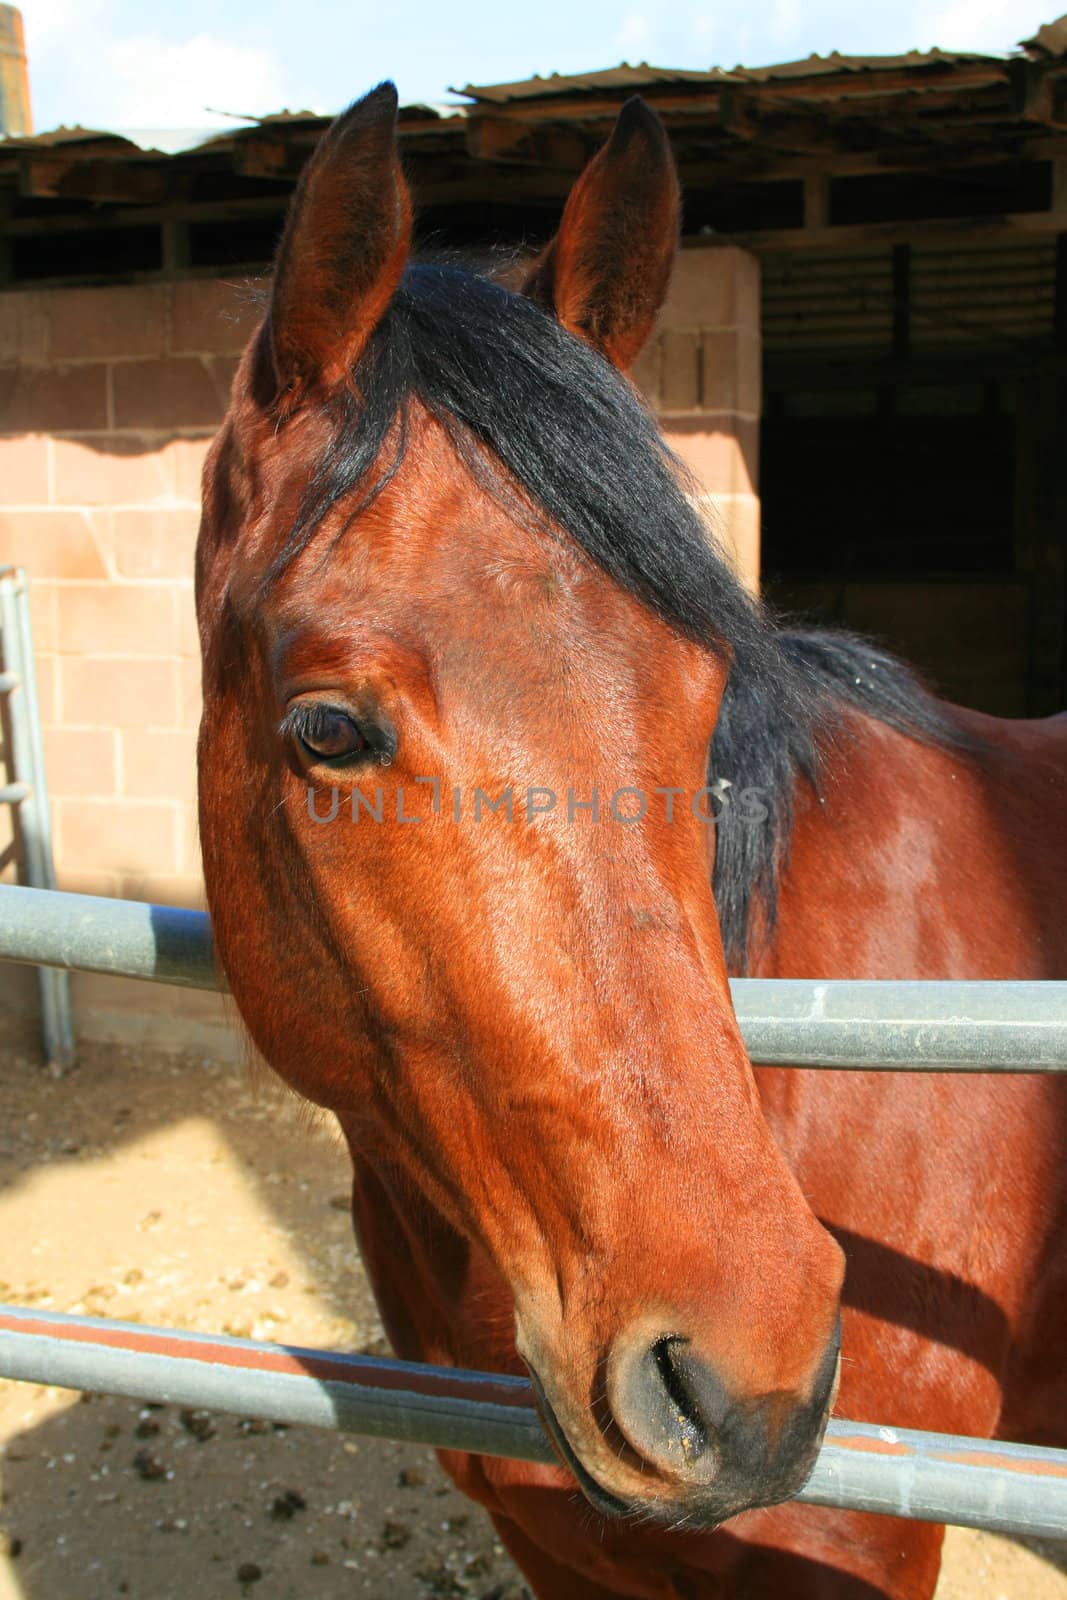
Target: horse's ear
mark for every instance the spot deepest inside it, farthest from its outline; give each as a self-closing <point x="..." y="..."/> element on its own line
<point x="344" y="247"/>
<point x="606" y="273"/>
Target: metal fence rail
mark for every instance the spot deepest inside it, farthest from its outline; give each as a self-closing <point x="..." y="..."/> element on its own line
<point x="1009" y="1488"/>
<point x="991" y="1027"/>
<point x="900" y="1027"/>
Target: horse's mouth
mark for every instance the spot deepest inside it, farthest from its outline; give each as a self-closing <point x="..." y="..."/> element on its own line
<point x="609" y="1505"/>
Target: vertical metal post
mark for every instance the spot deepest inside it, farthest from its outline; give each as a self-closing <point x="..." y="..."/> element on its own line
<point x="26" y="768"/>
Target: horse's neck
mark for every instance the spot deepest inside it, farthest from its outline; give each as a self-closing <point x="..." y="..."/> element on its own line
<point x="919" y="863"/>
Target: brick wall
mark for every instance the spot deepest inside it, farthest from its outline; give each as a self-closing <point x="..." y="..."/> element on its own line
<point x="108" y="398"/>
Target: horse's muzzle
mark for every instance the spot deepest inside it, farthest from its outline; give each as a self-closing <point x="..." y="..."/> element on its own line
<point x="683" y="1447"/>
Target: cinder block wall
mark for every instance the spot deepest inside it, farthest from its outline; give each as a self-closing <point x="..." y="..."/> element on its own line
<point x="108" y="399"/>
<point x="702" y="374"/>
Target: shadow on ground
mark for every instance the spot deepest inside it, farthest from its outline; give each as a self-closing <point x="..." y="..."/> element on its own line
<point x="174" y="1190"/>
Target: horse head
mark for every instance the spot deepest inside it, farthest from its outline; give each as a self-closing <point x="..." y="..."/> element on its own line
<point x="465" y="641"/>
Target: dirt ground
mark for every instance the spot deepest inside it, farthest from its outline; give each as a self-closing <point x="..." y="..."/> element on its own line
<point x="178" y="1191"/>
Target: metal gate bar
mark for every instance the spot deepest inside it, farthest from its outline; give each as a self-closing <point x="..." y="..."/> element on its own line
<point x="932" y="1477"/>
<point x="919" y="1026"/>
<point x="28" y="794"/>
<point x="898" y="1027"/>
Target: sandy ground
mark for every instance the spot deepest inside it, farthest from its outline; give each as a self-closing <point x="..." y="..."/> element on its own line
<point x="176" y="1191"/>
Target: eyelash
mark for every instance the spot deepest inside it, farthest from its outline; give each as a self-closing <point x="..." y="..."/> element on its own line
<point x="304" y="722"/>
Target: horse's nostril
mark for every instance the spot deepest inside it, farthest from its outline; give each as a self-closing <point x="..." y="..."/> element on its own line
<point x="693" y="1434"/>
<point x="676" y="1374"/>
<point x="675" y="1412"/>
<point x="669" y="1405"/>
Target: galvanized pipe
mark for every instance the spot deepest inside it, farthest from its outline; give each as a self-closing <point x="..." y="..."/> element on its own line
<point x="91" y="933"/>
<point x="899" y="1027"/>
<point x="932" y="1477"/>
<point x="27" y="768"/>
<point x="904" y="1026"/>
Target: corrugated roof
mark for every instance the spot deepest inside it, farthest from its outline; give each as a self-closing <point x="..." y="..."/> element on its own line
<point x="187" y="141"/>
<point x="1051" y="40"/>
<point x="643" y="75"/>
<point x="623" y="76"/>
<point x="855" y="72"/>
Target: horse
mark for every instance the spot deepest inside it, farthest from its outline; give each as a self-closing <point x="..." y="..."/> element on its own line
<point x="502" y="773"/>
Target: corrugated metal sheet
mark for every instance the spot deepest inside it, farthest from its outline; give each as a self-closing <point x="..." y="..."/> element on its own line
<point x="644" y="76"/>
<point x="1050" y="40"/>
<point x="983" y="294"/>
<point x="624" y="76"/>
<point x="76" y="141"/>
<point x="832" y="302"/>
<point x="979" y="296"/>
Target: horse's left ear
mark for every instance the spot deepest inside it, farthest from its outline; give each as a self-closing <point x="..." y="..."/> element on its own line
<point x="344" y="248"/>
<point x="606" y="273"/>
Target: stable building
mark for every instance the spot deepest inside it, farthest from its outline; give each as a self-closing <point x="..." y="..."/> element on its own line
<point x="863" y="360"/>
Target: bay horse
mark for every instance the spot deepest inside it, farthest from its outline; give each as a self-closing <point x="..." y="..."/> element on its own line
<point x="476" y="687"/>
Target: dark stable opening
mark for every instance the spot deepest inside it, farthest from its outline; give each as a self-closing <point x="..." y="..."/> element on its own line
<point x="876" y="494"/>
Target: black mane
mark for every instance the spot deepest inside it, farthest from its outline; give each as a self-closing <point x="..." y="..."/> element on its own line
<point x="503" y="377"/>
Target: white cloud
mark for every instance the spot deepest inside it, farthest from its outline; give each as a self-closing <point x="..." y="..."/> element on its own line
<point x="988" y="27"/>
<point x="47" y="21"/>
<point x="159" y="83"/>
<point x="784" y="19"/>
<point x="635" y="35"/>
<point x="103" y="76"/>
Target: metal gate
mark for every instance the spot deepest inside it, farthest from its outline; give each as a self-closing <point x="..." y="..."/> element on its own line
<point x="966" y="1027"/>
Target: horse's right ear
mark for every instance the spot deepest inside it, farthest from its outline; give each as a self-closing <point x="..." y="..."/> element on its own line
<point x="345" y="244"/>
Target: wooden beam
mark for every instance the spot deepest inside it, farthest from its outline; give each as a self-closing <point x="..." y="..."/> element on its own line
<point x="48" y="176"/>
<point x="1039" y="92"/>
<point x="817" y="200"/>
<point x="272" y="155"/>
<point x="823" y="370"/>
<point x="1026" y="224"/>
<point x="6" y="251"/>
<point x="548" y="145"/>
<point x="138" y="216"/>
<point x="747" y="163"/>
<point x="763" y="159"/>
<point x="1059" y="185"/>
<point x="736" y="113"/>
<point x="175" y="242"/>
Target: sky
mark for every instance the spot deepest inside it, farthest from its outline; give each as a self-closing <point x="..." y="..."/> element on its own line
<point x="160" y="64"/>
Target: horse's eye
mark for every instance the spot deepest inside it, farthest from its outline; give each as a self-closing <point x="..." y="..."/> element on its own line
<point x="330" y="734"/>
